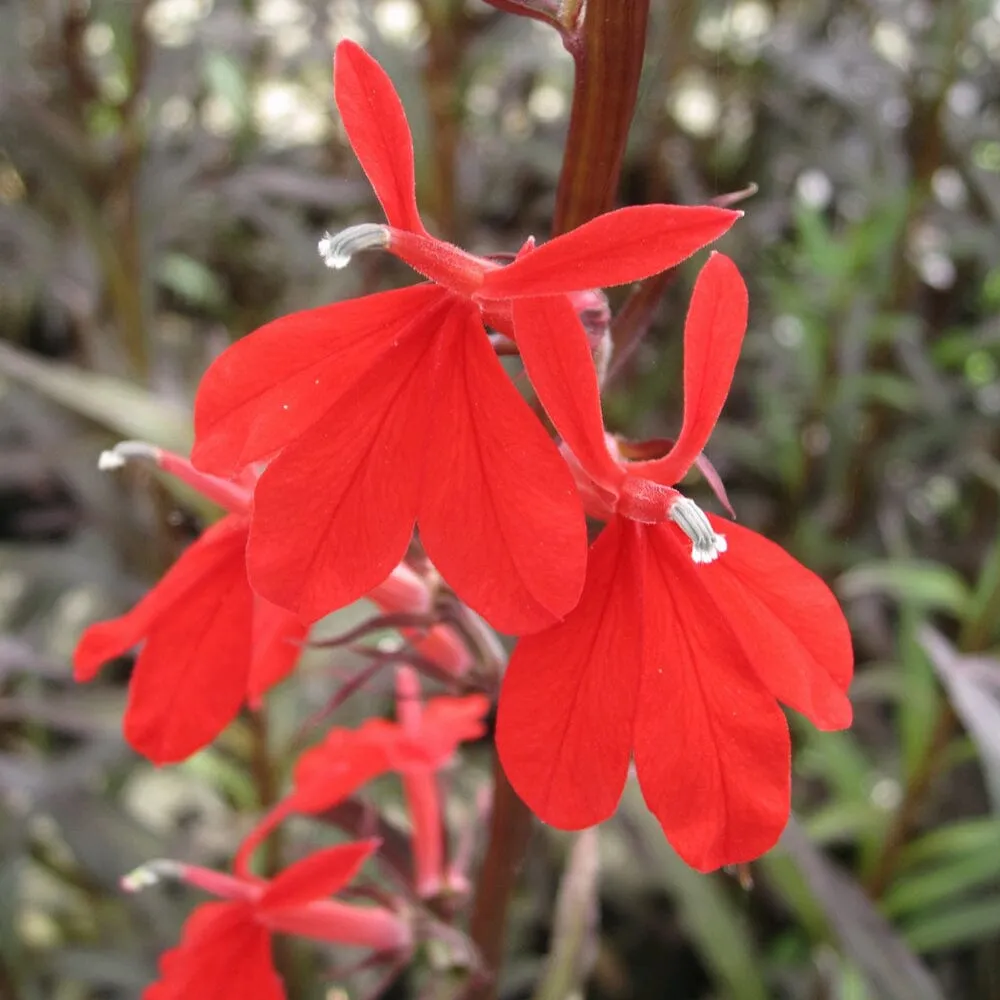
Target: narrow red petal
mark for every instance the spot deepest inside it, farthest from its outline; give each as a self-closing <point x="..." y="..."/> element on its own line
<point x="518" y="553"/>
<point x="326" y="775"/>
<point x="376" y="126"/>
<point x="223" y="954"/>
<point x="787" y="621"/>
<point x="106" y="640"/>
<point x="568" y="698"/>
<point x="621" y="246"/>
<point x="317" y="876"/>
<point x="278" y="636"/>
<point x="712" y="749"/>
<point x="273" y="385"/>
<point x="558" y="361"/>
<point x="334" y="512"/>
<point x="447" y="722"/>
<point x="713" y="336"/>
<point x="191" y="677"/>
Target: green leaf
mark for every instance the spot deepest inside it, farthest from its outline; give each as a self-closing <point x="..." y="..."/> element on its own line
<point x="864" y="935"/>
<point x="121" y="406"/>
<point x="952" y="841"/>
<point x="962" y="924"/>
<point x="920" y="582"/>
<point x="191" y="280"/>
<point x="925" y="890"/>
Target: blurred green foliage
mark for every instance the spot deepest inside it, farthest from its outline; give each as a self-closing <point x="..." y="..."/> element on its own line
<point x="165" y="170"/>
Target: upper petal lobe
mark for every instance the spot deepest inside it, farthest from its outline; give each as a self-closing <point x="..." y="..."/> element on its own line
<point x="615" y="248"/>
<point x="558" y="361"/>
<point x="713" y="336"/>
<point x="376" y="127"/>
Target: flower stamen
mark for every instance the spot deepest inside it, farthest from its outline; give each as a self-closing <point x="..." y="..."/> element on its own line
<point x="706" y="544"/>
<point x="337" y="249"/>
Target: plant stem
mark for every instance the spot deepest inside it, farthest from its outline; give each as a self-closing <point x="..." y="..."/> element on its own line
<point x="510" y="830"/>
<point x="608" y="54"/>
<point x="608" y="50"/>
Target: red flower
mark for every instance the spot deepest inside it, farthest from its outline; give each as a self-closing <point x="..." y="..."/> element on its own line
<point x="689" y="632"/>
<point x="210" y="643"/>
<point x="417" y="746"/>
<point x="393" y="409"/>
<point x="225" y="950"/>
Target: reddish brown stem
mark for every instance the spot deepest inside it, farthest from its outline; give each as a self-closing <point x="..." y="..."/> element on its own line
<point x="608" y="54"/>
<point x="608" y="50"/>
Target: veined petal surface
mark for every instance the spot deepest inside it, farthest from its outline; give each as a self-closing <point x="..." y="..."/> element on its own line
<point x="105" y="640"/>
<point x="334" y="512"/>
<point x="713" y="335"/>
<point x="557" y="359"/>
<point x="190" y="679"/>
<point x="712" y="749"/>
<point x="499" y="514"/>
<point x="271" y="386"/>
<point x="568" y="698"/>
<point x="377" y="129"/>
<point x="786" y="620"/>
<point x="616" y="248"/>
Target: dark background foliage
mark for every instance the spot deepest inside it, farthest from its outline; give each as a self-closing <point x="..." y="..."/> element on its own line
<point x="165" y="170"/>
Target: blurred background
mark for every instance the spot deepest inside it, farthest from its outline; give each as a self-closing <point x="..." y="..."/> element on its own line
<point x="166" y="168"/>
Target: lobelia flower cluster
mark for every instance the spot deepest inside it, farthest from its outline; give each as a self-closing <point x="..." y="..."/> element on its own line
<point x="329" y="435"/>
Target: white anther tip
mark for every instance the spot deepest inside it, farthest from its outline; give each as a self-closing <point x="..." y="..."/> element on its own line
<point x="332" y="259"/>
<point x="706" y="544"/>
<point x="109" y="460"/>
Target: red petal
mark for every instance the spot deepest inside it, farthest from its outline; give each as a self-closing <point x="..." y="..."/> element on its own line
<point x="317" y="876"/>
<point x="376" y="126"/>
<point x="613" y="249"/>
<point x="223" y="954"/>
<point x="446" y="722"/>
<point x="106" y="640"/>
<point x="568" y="698"/>
<point x="712" y="749"/>
<point x="713" y="336"/>
<point x="517" y="554"/>
<point x="191" y="677"/>
<point x="334" y="512"/>
<point x="326" y="775"/>
<point x="278" y="636"/>
<point x="557" y="358"/>
<point x="270" y="387"/>
<point x="787" y="621"/>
